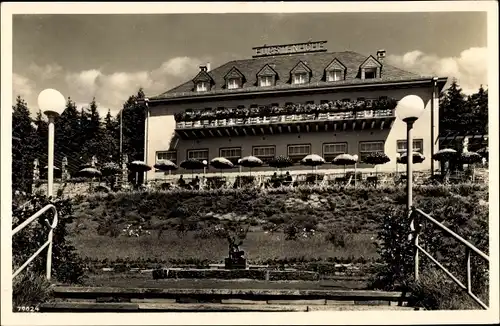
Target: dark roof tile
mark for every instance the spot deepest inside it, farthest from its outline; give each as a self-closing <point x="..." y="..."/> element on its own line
<point x="283" y="64"/>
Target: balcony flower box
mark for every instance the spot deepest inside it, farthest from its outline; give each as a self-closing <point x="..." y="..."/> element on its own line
<point x="188" y="124"/>
<point x="180" y="124"/>
<point x="221" y="122"/>
<point x="275" y="119"/>
<point x="265" y="120"/>
<point x="254" y="120"/>
<point x="289" y="118"/>
<point x="213" y="123"/>
<point x="240" y="121"/>
<point x="309" y="117"/>
<point x="205" y="123"/>
<point x="323" y="116"/>
<point x="197" y="124"/>
<point x="230" y="122"/>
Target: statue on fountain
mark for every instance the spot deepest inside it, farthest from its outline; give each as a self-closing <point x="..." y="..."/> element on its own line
<point x="236" y="259"/>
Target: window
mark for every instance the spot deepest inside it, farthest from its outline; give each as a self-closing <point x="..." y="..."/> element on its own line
<point x="264" y="152"/>
<point x="197" y="154"/>
<point x="232" y="154"/>
<point x="334" y="75"/>
<point x="370" y="73"/>
<point x="298" y="152"/>
<point x="202" y="86"/>
<point x="168" y="155"/>
<point x="418" y="146"/>
<point x="266" y="81"/>
<point x="332" y="150"/>
<point x="300" y="78"/>
<point x="233" y="83"/>
<point x="368" y="147"/>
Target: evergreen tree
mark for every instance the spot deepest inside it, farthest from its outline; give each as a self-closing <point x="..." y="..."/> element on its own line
<point x="23" y="149"/>
<point x="133" y="127"/>
<point x="41" y="139"/>
<point x="69" y="140"/>
<point x="478" y="104"/>
<point x="452" y="108"/>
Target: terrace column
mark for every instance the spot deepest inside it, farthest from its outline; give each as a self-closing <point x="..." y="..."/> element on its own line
<point x="36" y="170"/>
<point x="64" y="169"/>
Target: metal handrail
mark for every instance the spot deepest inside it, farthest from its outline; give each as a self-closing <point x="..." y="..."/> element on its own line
<point x="47" y="243"/>
<point x="469" y="248"/>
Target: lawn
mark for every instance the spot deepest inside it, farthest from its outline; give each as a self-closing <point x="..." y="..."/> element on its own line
<point x="259" y="247"/>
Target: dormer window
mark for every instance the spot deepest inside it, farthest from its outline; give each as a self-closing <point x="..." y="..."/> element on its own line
<point x="233" y="83"/>
<point x="370" y="73"/>
<point x="300" y="78"/>
<point x="300" y="73"/>
<point x="371" y="68"/>
<point x="203" y="81"/>
<point x="202" y="86"/>
<point x="335" y="71"/>
<point x="267" y="76"/>
<point x="334" y="75"/>
<point x="234" y="78"/>
<point x="265" y="81"/>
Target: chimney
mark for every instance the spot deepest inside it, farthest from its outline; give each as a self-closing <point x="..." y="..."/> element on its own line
<point x="208" y="66"/>
<point x="381" y="55"/>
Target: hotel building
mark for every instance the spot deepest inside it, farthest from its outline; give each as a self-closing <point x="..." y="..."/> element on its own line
<point x="293" y="100"/>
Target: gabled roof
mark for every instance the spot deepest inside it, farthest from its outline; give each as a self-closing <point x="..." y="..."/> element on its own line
<point x="234" y="73"/>
<point x="300" y="67"/>
<point x="203" y="76"/>
<point x="335" y="65"/>
<point x="281" y="65"/>
<point x="267" y="71"/>
<point x="371" y="62"/>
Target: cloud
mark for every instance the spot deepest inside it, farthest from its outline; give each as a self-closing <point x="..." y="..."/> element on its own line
<point x="46" y="72"/>
<point x="113" y="89"/>
<point x="470" y="68"/>
<point x="21" y="86"/>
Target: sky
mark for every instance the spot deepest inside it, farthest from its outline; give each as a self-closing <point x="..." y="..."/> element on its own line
<point x="110" y="56"/>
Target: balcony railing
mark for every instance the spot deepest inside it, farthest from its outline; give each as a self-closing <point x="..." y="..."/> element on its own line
<point x="306" y="111"/>
<point x="286" y="118"/>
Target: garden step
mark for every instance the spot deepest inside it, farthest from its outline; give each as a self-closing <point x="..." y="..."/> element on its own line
<point x="205" y="307"/>
<point x="114" y="294"/>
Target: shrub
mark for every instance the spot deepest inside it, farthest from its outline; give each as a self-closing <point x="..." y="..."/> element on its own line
<point x="29" y="290"/>
<point x="67" y="267"/>
<point x="336" y="237"/>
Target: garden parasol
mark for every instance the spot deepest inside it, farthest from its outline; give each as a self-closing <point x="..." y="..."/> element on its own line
<point x="192" y="164"/>
<point x="345" y="159"/>
<point x="138" y="166"/>
<point x="250" y="162"/>
<point x="471" y="158"/>
<point x="90" y="173"/>
<point x="313" y="160"/>
<point x="280" y="162"/>
<point x="417" y="158"/>
<point x="110" y="169"/>
<point x="444" y="156"/>
<point x="376" y="159"/>
<point x="165" y="165"/>
<point x="221" y="163"/>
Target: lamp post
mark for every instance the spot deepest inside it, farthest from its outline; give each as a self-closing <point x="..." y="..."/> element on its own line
<point x="409" y="109"/>
<point x="145" y="102"/>
<point x="52" y="103"/>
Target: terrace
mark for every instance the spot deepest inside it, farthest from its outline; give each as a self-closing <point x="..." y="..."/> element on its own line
<point x="292" y="118"/>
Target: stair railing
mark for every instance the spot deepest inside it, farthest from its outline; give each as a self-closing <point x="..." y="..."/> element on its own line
<point x="48" y="243"/>
<point x="416" y="214"/>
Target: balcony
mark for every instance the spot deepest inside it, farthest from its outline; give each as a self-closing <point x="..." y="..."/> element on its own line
<point x="291" y="119"/>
